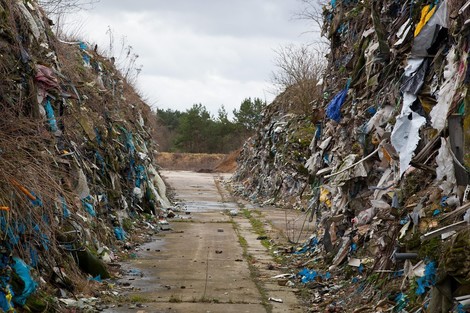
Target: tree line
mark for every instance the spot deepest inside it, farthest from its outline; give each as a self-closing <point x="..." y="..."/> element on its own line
<point x="197" y="131"/>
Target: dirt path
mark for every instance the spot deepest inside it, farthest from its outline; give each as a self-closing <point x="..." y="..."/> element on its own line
<point x="211" y="263"/>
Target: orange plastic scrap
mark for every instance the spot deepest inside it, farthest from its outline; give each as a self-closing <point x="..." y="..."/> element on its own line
<point x="22" y="189"/>
<point x="386" y="155"/>
<point x="4" y="208"/>
<point x="426" y="14"/>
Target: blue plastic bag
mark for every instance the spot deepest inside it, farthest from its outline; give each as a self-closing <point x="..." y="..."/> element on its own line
<point x="428" y="280"/>
<point x="22" y="270"/>
<point x="119" y="233"/>
<point x="334" y="107"/>
<point x="50" y="115"/>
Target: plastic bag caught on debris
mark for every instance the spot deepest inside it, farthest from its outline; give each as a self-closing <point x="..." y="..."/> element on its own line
<point x="334" y="107"/>
<point x="403" y="32"/>
<point x="467" y="216"/>
<point x="445" y="168"/>
<point x="120" y="233"/>
<point x="308" y="275"/>
<point x="426" y="36"/>
<point x="446" y="93"/>
<point x="426" y="13"/>
<point x="82" y="188"/>
<point x="158" y="187"/>
<point x="36" y="29"/>
<point x="405" y="137"/>
<point x="428" y="280"/>
<point x="22" y="270"/>
<point x="87" y="203"/>
<point x="50" y="115"/>
<point x="309" y="246"/>
<point x="364" y="217"/>
<point x="381" y="117"/>
<point x="46" y="77"/>
<point x="138" y="193"/>
<point x="415" y="73"/>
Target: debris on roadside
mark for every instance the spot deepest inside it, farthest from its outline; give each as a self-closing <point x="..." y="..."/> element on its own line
<point x="78" y="175"/>
<point x="379" y="164"/>
<point x="278" y="300"/>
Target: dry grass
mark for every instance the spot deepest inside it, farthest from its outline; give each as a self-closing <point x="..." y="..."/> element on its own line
<point x="31" y="164"/>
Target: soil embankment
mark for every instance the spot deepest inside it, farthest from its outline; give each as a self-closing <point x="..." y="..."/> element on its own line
<point x="198" y="162"/>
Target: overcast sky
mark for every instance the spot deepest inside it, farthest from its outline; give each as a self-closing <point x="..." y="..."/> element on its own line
<point x="213" y="52"/>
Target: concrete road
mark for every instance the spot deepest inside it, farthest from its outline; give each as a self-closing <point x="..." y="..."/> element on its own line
<point x="200" y="265"/>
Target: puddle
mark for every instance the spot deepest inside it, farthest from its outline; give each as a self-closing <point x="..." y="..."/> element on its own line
<point x="141" y="278"/>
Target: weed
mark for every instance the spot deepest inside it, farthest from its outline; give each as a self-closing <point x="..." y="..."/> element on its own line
<point x="254" y="272"/>
<point x="243" y="242"/>
<point x="175" y="299"/>
<point x="246" y="213"/>
<point x="137" y="298"/>
<point x="209" y="300"/>
<point x="127" y="224"/>
<point x="182" y="221"/>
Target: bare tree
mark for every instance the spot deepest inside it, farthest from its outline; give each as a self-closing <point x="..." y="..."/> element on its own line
<point x="58" y="7"/>
<point x="299" y="69"/>
<point x="312" y="12"/>
<point x="126" y="59"/>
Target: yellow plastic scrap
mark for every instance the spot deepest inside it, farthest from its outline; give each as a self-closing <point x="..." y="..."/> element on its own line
<point x="9" y="297"/>
<point x="426" y="14"/>
<point x="324" y="197"/>
<point x="427" y="103"/>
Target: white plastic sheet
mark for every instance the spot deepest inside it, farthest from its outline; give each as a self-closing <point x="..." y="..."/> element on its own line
<point x="379" y="204"/>
<point x="405" y="137"/>
<point x="445" y="168"/>
<point x="403" y="32"/>
<point x="36" y="29"/>
<point x="413" y="65"/>
<point x="446" y="93"/>
<point x="82" y="189"/>
<point x="381" y="117"/>
<point x="158" y="187"/>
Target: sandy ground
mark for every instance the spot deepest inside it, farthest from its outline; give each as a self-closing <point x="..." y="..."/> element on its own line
<point x="200" y="265"/>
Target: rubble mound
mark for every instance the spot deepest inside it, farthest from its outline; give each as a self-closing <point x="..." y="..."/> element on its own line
<point x="76" y="162"/>
<point x="271" y="165"/>
<point x="386" y="171"/>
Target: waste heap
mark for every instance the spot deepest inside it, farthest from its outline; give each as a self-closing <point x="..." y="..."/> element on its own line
<point x="271" y="166"/>
<point x="76" y="161"/>
<point x="389" y="160"/>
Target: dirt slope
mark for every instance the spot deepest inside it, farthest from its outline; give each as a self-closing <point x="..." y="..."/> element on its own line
<point x="198" y="162"/>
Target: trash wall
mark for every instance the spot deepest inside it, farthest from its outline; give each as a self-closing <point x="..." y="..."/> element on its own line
<point x="76" y="160"/>
<point x="271" y="166"/>
<point x="387" y="160"/>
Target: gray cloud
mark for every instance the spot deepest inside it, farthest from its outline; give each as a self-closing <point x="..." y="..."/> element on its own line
<point x="212" y="52"/>
<point x="239" y="18"/>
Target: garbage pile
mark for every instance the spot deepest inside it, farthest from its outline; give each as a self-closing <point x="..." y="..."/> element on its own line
<point x="76" y="162"/>
<point x="388" y="162"/>
<point x="271" y="166"/>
